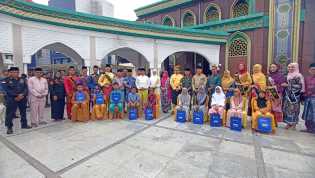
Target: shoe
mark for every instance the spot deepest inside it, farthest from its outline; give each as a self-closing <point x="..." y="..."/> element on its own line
<point x="27" y="127"/>
<point x="34" y="125"/>
<point x="42" y="123"/>
<point x="9" y="131"/>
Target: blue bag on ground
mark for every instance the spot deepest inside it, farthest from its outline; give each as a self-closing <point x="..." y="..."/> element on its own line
<point x="181" y="116"/>
<point x="198" y="118"/>
<point x="215" y="120"/>
<point x="236" y="124"/>
<point x="264" y="125"/>
<point x="133" y="114"/>
<point x="148" y="114"/>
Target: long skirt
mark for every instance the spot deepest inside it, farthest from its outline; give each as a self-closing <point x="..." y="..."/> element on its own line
<point x="174" y="96"/>
<point x="99" y="112"/>
<point x="165" y="101"/>
<point x="57" y="109"/>
<point x="291" y="112"/>
<point x="309" y="114"/>
<point x="80" y="112"/>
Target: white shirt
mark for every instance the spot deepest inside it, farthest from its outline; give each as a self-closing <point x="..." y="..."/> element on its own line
<point x="155" y="81"/>
<point x="142" y="82"/>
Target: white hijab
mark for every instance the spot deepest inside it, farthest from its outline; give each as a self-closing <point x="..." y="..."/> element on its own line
<point x="218" y="98"/>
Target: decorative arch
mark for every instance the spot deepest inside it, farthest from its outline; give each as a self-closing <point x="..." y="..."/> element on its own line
<point x="133" y="56"/>
<point x="189" y="19"/>
<point x="212" y="13"/>
<point x="66" y="50"/>
<point x="238" y="45"/>
<point x="168" y="21"/>
<point x="241" y="8"/>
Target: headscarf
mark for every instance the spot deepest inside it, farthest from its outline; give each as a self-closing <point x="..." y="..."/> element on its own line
<point x="227" y="79"/>
<point x="218" y="98"/>
<point x="243" y="71"/>
<point x="259" y="77"/>
<point x="184" y="97"/>
<point x="296" y="74"/>
<point x="277" y="78"/>
<point x="237" y="98"/>
<point x="262" y="102"/>
<point x="201" y="95"/>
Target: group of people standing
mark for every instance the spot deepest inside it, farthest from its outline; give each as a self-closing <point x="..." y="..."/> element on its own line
<point x="107" y="95"/>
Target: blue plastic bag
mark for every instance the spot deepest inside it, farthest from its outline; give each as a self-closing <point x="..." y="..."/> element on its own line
<point x="148" y="114"/>
<point x="198" y="118"/>
<point x="99" y="99"/>
<point x="181" y="116"/>
<point x="264" y="125"/>
<point x="80" y="97"/>
<point x="236" y="124"/>
<point x="116" y="97"/>
<point x="215" y="120"/>
<point x="133" y="114"/>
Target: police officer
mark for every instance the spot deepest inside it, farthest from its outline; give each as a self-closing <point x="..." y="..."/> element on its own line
<point x="16" y="97"/>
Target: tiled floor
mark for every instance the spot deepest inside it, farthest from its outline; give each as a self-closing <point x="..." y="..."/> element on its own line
<point x="162" y="148"/>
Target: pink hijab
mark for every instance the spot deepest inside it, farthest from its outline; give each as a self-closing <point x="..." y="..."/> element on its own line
<point x="296" y="74"/>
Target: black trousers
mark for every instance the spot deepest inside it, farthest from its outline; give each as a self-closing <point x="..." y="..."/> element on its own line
<point x="57" y="109"/>
<point x="174" y="96"/>
<point x="12" y="106"/>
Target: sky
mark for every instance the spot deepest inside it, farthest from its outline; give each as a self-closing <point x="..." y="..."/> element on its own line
<point x="123" y="9"/>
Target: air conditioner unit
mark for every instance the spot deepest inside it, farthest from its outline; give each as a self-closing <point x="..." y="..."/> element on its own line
<point x="8" y="59"/>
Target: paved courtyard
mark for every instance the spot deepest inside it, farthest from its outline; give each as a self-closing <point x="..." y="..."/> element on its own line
<point x="162" y="148"/>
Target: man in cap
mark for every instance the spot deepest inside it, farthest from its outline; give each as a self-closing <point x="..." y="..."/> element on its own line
<point x="186" y="81"/>
<point x="16" y="97"/>
<point x="38" y="90"/>
<point x="143" y="84"/>
<point x="175" y="83"/>
<point x="214" y="79"/>
<point x="199" y="80"/>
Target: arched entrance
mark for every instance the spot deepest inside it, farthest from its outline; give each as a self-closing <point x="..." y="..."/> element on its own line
<point x="126" y="57"/>
<point x="54" y="57"/>
<point x="185" y="60"/>
<point x="238" y="51"/>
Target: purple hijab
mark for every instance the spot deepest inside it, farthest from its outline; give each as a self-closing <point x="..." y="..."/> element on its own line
<point x="278" y="78"/>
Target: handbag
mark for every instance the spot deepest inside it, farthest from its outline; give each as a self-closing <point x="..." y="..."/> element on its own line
<point x="80" y="97"/>
<point x="181" y="116"/>
<point x="99" y="99"/>
<point x="215" y="120"/>
<point x="264" y="125"/>
<point x="133" y="114"/>
<point x="198" y="117"/>
<point x="236" y="124"/>
<point x="148" y="114"/>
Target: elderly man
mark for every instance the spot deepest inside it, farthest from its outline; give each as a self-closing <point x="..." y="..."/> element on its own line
<point x="38" y="90"/>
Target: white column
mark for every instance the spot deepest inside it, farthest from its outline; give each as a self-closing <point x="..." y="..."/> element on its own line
<point x="17" y="46"/>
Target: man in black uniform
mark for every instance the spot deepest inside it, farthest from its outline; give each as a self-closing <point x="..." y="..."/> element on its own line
<point x="16" y="97"/>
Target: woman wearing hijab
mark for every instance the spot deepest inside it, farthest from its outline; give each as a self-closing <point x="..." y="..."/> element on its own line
<point x="155" y="83"/>
<point x="166" y="92"/>
<point x="262" y="108"/>
<point x="243" y="79"/>
<point x="228" y="85"/>
<point x="183" y="102"/>
<point x="217" y="102"/>
<point x="259" y="78"/>
<point x="292" y="98"/>
<point x="276" y="81"/>
<point x="57" y="97"/>
<point x="238" y="108"/>
<point x="201" y="101"/>
<point x="152" y="102"/>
